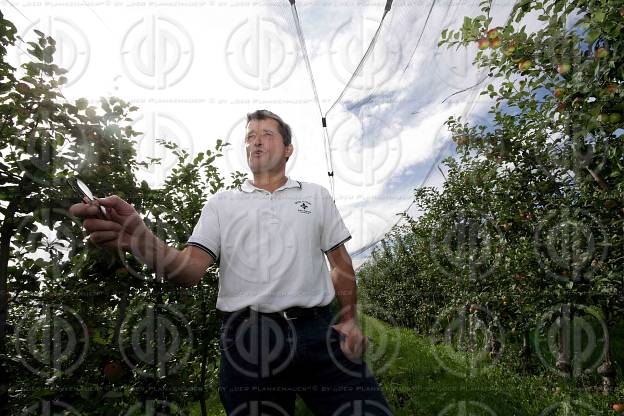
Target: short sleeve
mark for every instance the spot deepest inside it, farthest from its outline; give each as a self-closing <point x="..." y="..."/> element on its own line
<point x="206" y="234"/>
<point x="333" y="230"/>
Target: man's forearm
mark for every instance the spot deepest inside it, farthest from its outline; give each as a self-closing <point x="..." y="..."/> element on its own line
<point x="346" y="291"/>
<point x="164" y="260"/>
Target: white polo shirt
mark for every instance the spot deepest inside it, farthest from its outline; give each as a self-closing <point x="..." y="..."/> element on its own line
<point x="270" y="246"/>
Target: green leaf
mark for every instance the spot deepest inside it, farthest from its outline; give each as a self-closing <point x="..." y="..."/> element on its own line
<point x="82" y="103"/>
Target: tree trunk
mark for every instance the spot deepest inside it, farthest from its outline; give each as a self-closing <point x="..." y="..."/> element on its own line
<point x="6" y="232"/>
<point x="606" y="370"/>
<point x="565" y="321"/>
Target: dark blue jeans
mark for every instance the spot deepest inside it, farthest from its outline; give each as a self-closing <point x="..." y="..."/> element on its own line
<point x="266" y="360"/>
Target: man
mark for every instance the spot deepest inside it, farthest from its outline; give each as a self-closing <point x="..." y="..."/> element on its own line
<point x="269" y="238"/>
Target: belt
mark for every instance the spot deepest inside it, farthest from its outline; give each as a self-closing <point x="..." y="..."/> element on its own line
<point x="295" y="312"/>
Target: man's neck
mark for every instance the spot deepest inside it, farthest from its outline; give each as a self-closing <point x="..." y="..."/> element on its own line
<point x="269" y="183"/>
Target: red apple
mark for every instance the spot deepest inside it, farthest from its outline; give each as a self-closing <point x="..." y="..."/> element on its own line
<point x="612" y="88"/>
<point x="601" y="53"/>
<point x="558" y="92"/>
<point x="618" y="407"/>
<point x="112" y="370"/>
<point x="563" y="69"/>
<point x="484" y="43"/>
<point x="524" y="65"/>
<point x="495" y="43"/>
<point x="492" y="33"/>
<point x="561" y="107"/>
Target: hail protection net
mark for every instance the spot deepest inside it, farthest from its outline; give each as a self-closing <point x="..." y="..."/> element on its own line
<point x="363" y="84"/>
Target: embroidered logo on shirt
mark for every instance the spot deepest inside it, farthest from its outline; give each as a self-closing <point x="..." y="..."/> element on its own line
<point x="303" y="206"/>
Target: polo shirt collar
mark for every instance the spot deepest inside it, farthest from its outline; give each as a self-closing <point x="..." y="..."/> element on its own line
<point x="290" y="183"/>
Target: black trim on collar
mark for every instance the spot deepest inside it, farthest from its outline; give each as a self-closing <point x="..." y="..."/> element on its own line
<point x="299" y="184"/>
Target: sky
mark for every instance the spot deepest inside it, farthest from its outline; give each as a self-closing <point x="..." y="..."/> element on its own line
<point x="195" y="68"/>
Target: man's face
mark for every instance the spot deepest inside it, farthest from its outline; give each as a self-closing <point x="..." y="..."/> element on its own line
<point x="264" y="146"/>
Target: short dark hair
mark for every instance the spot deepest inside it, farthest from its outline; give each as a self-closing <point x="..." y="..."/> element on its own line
<point x="284" y="129"/>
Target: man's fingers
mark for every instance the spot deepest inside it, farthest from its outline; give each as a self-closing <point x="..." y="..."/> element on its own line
<point x="94" y="224"/>
<point x="82" y="210"/>
<point x="100" y="237"/>
<point x="116" y="203"/>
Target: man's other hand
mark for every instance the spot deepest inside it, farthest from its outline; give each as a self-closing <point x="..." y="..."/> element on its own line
<point x="354" y="343"/>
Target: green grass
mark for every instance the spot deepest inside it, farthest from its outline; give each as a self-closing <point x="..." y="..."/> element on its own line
<point x="420" y="378"/>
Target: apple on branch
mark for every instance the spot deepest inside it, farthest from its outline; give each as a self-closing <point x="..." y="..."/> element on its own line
<point x="564" y="68"/>
<point x="484" y="43"/>
<point x="510" y="49"/>
<point x="492" y="33"/>
<point x="525" y="65"/>
<point x="112" y="370"/>
<point x="615" y="118"/>
<point x="601" y="53"/>
<point x="495" y="43"/>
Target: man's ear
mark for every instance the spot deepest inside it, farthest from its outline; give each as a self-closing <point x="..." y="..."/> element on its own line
<point x="289" y="150"/>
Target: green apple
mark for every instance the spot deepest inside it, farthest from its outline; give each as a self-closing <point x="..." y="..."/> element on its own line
<point x="524" y="65"/>
<point x="563" y="69"/>
<point x="495" y="43"/>
<point x="484" y="43"/>
<point x="510" y="49"/>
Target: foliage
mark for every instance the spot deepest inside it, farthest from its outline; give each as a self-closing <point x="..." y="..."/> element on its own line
<point x="61" y="296"/>
<point x="531" y="214"/>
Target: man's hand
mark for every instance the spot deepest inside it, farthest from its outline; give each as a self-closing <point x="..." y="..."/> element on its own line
<point x="354" y="343"/>
<point x="122" y="228"/>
